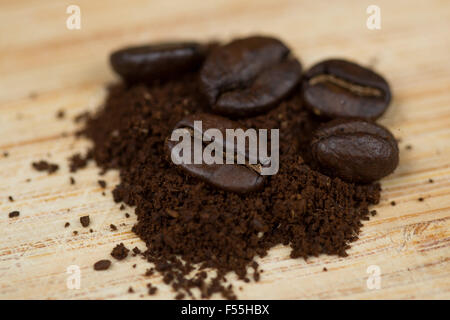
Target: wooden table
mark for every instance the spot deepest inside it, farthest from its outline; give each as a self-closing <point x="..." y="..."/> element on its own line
<point x="44" y="67"/>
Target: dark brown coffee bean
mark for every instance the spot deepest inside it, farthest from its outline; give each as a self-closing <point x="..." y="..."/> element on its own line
<point x="343" y="89"/>
<point x="240" y="178"/>
<point x="249" y="76"/>
<point x="355" y="150"/>
<point x="102" y="265"/>
<point x="157" y="61"/>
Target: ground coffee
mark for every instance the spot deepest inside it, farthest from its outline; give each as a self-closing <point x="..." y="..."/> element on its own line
<point x="190" y="227"/>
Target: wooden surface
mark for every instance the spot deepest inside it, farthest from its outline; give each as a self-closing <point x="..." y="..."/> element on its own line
<point x="44" y="67"/>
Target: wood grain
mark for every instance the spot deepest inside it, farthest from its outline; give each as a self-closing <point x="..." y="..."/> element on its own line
<point x="44" y="67"/>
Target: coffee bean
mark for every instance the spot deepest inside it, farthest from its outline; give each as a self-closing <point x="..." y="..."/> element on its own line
<point x="339" y="89"/>
<point x="355" y="150"/>
<point x="157" y="61"/>
<point x="240" y="178"/>
<point x="249" y="76"/>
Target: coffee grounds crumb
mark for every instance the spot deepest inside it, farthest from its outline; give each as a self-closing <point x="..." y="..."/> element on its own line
<point x="28" y="180"/>
<point x="60" y="114"/>
<point x="102" y="265"/>
<point x="325" y="269"/>
<point x="45" y="166"/>
<point x="393" y="203"/>
<point x="373" y="213"/>
<point x="408" y="147"/>
<point x="77" y="161"/>
<point x="130" y="290"/>
<point x="102" y="183"/>
<point x="136" y="251"/>
<point x="120" y="252"/>
<point x="420" y="199"/>
<point x="430" y="180"/>
<point x="134" y="265"/>
<point x="113" y="227"/>
<point x="127" y="215"/>
<point x="11" y="199"/>
<point x="85" y="221"/>
<point x="75" y="233"/>
<point x="151" y="289"/>
<point x="180" y="296"/>
<point x="67" y="224"/>
<point x="5" y="154"/>
<point x="14" y="214"/>
<point x="90" y="230"/>
<point x="72" y="180"/>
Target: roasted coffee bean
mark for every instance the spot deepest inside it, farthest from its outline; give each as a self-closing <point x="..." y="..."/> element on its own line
<point x="355" y="150"/>
<point x="343" y="89"/>
<point x="157" y="61"/>
<point x="249" y="76"/>
<point x="239" y="178"/>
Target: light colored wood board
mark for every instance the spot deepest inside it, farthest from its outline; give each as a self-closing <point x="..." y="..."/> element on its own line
<point x="68" y="70"/>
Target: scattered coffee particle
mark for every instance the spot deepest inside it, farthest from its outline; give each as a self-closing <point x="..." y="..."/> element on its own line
<point x="75" y="233"/>
<point x="72" y="180"/>
<point x="430" y="180"/>
<point x="127" y="215"/>
<point x="11" y="199"/>
<point x="28" y="180"/>
<point x="85" y="221"/>
<point x="299" y="206"/>
<point x="393" y="203"/>
<point x="90" y="230"/>
<point x="152" y="290"/>
<point x="408" y="147"/>
<point x="5" y="154"/>
<point x="180" y="296"/>
<point x="130" y="290"/>
<point x="325" y="269"/>
<point x="104" y="194"/>
<point x="102" y="265"/>
<point x="420" y="199"/>
<point x="45" y="166"/>
<point x="134" y="265"/>
<point x="373" y="213"/>
<point x="149" y="272"/>
<point x="122" y="207"/>
<point x="60" y="114"/>
<point x="102" y="183"/>
<point x="136" y="251"/>
<point x="113" y="227"/>
<point x="67" y="224"/>
<point x="14" y="214"/>
<point x="120" y="252"/>
<point x="77" y="161"/>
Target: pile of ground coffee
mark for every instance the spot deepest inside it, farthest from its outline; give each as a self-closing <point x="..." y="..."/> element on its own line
<point x="190" y="227"/>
